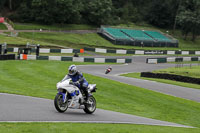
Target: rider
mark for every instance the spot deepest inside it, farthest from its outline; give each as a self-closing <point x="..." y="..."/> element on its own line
<point x="77" y="79"/>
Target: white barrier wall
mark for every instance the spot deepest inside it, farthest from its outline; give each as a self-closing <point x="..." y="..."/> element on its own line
<point x="58" y="58"/>
<point x="31" y="57"/>
<point x="66" y="50"/>
<point x="171" y="59"/>
<point x="44" y="50"/>
<point x="78" y="59"/>
<point x="170" y="52"/>
<point x="185" y="52"/>
<point x="197" y="52"/>
<point x="152" y="61"/>
<point x="121" y="51"/>
<point x="139" y="52"/>
<point x="21" y="57"/>
<point x="186" y="58"/>
<point x="99" y="60"/>
<point x="100" y="50"/>
<point x="120" y="60"/>
<point x="15" y="50"/>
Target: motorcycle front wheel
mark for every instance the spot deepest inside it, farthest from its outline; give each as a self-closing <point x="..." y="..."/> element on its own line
<point x="59" y="105"/>
<point x="90" y="106"/>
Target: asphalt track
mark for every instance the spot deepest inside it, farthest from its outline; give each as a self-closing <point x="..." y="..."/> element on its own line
<point x="139" y="65"/>
<point x="15" y="108"/>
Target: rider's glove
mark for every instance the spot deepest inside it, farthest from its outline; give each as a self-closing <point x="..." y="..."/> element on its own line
<point x="71" y="82"/>
<point x="76" y="83"/>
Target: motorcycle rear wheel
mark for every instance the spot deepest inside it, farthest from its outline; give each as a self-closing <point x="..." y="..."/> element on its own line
<point x="59" y="105"/>
<point x="90" y="107"/>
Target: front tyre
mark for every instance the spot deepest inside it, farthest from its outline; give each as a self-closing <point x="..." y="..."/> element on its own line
<point x="59" y="105"/>
<point x="90" y="106"/>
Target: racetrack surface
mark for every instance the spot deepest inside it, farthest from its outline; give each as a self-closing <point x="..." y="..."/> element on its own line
<point x="17" y="108"/>
<point x="139" y="65"/>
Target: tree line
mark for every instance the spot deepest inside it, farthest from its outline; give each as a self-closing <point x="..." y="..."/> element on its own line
<point x="182" y="14"/>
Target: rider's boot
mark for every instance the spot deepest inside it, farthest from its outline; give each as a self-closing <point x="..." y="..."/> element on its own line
<point x="86" y="95"/>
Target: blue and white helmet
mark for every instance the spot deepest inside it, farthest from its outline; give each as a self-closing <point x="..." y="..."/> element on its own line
<point x="72" y="70"/>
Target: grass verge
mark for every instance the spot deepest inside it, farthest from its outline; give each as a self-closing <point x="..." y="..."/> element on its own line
<point x="21" y="41"/>
<point x="30" y="26"/>
<point x="38" y="79"/>
<point x="137" y="75"/>
<point x="2" y="27"/>
<point x="189" y="71"/>
<point x="88" y="128"/>
<point x="94" y="40"/>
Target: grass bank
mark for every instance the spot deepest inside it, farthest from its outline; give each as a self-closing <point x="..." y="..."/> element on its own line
<point x="184" y="71"/>
<point x="21" y="41"/>
<point x="88" y="128"/>
<point x="62" y="27"/>
<point x="2" y="27"/>
<point x="94" y="40"/>
<point x="38" y="79"/>
<point x="189" y="71"/>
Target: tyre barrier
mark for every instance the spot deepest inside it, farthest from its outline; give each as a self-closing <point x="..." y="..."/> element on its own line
<point x="7" y="57"/>
<point x="171" y="77"/>
<point x="75" y="59"/>
<point x="171" y="59"/>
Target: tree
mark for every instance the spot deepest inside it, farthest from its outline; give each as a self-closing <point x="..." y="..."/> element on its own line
<point x="68" y="11"/>
<point x="49" y="12"/>
<point x="2" y="3"/>
<point x="161" y="13"/>
<point x="189" y="18"/>
<point x="97" y="11"/>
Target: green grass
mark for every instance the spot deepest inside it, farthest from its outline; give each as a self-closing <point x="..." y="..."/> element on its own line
<point x="30" y="26"/>
<point x="13" y="41"/>
<point x="2" y="27"/>
<point x="193" y="71"/>
<point x="88" y="128"/>
<point x="90" y="40"/>
<point x="38" y="79"/>
<point x="94" y="40"/>
<point x="137" y="75"/>
<point x="69" y="40"/>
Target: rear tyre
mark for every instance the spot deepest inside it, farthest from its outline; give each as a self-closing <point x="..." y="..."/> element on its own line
<point x="59" y="105"/>
<point x="90" y="106"/>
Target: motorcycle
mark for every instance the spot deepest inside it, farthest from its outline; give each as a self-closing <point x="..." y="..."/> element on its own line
<point x="70" y="96"/>
<point x="109" y="69"/>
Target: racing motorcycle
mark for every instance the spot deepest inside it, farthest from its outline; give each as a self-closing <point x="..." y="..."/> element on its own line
<point x="70" y="96"/>
<point x="109" y="69"/>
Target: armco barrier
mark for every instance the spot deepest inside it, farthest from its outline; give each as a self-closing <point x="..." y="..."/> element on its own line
<point x="118" y="51"/>
<point x="142" y="52"/>
<point x="75" y="59"/>
<point x="46" y="50"/>
<point x="171" y="77"/>
<point x="171" y="59"/>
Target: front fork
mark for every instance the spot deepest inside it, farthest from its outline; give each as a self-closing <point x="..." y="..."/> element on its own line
<point x="64" y="96"/>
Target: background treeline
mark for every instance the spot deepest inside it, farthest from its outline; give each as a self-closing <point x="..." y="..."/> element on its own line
<point x="183" y="14"/>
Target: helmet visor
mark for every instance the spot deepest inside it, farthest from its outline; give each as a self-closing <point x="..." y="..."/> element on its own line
<point x="71" y="71"/>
